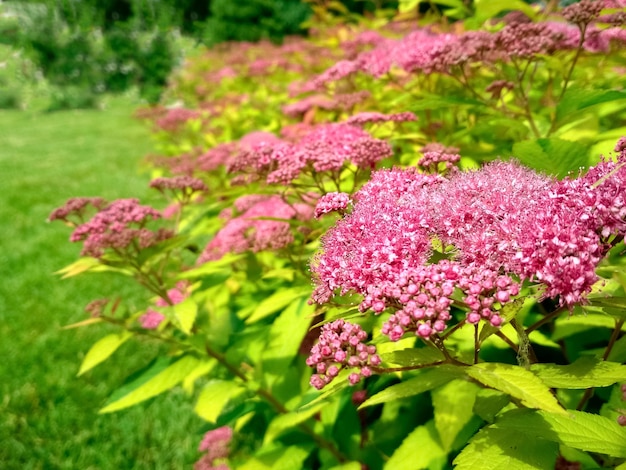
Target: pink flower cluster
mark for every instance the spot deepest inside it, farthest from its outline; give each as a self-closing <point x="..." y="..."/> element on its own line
<point x="175" y="118"/>
<point x="341" y="345"/>
<point x="185" y="184"/>
<point x="153" y="318"/>
<point x="373" y="117"/>
<point x="75" y="209"/>
<point x="331" y="202"/>
<point x="429" y="52"/>
<point x="321" y="148"/>
<point x="505" y="223"/>
<point x="341" y="101"/>
<point x="385" y="233"/>
<point x="215" y="443"/>
<point x="251" y="231"/>
<point x="119" y="226"/>
<point x="437" y="158"/>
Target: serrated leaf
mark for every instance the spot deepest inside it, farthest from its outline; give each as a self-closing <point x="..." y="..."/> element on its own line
<point x="453" y="404"/>
<point x="576" y="99"/>
<point x="214" y="397"/>
<point x="552" y="156"/>
<point x="425" y="380"/>
<point x="497" y="449"/>
<point x="413" y="356"/>
<point x="517" y="382"/>
<point x="288" y="421"/>
<point x="186" y="312"/>
<point x="159" y="383"/>
<point x="102" y="349"/>
<point x="586" y="372"/>
<point x="276" y="302"/>
<point x="577" y="429"/>
<point x="568" y="326"/>
<point x="489" y="402"/>
<point x="406" y="457"/>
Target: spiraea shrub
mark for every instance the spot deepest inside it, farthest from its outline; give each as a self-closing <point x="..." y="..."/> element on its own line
<point x="385" y="246"/>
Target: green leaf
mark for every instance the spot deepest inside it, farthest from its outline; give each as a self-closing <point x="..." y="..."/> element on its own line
<point x="214" y="397"/>
<point x="413" y="356"/>
<point x="497" y="449"/>
<point x="288" y="421"/>
<point x="186" y="313"/>
<point x="102" y="350"/>
<point x="440" y="102"/>
<point x="508" y="312"/>
<point x="552" y="156"/>
<point x="285" y="336"/>
<point x="406" y="457"/>
<point x="211" y="267"/>
<point x="517" y="382"/>
<point x="487" y="9"/>
<point x="424" y="381"/>
<point x="577" y="429"/>
<point x="88" y="321"/>
<point x="203" y="368"/>
<point x="453" y="404"/>
<point x="586" y="372"/>
<point x="156" y="384"/>
<point x="571" y="325"/>
<point x="277" y="301"/>
<point x="489" y="402"/>
<point x="278" y="457"/>
<point x="339" y="383"/>
<point x="79" y="266"/>
<point x="577" y="99"/>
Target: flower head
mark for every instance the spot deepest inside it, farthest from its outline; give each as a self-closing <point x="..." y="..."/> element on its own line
<point x="341" y="345"/>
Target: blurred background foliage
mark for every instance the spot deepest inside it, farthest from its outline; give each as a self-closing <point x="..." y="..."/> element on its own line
<point x="83" y="49"/>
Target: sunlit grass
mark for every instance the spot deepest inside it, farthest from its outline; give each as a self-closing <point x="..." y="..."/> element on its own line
<point x="48" y="416"/>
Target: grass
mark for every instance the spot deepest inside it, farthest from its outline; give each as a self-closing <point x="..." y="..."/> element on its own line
<point x="48" y="416"/>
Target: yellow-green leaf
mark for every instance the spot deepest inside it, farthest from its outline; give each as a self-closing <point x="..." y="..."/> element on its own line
<point x="164" y="380"/>
<point x="517" y="382"/>
<point x="407" y="457"/>
<point x="586" y="372"/>
<point x="425" y="380"/>
<point x="497" y="449"/>
<point x="576" y="429"/>
<point x="102" y="350"/>
<point x="288" y="421"/>
<point x="186" y="313"/>
<point x="214" y="397"/>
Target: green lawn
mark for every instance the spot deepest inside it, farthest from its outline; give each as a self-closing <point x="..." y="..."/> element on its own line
<point x="48" y="416"/>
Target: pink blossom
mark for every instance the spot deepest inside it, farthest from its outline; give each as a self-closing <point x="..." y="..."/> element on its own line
<point x="331" y="202"/>
<point x="363" y="118"/>
<point x="175" y="118"/>
<point x="77" y="207"/>
<point x="341" y="345"/>
<point x="151" y="319"/>
<point x="175" y="295"/>
<point x="118" y="226"/>
<point x="249" y="230"/>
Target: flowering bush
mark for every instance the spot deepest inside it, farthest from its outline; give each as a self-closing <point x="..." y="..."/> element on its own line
<point x="372" y="239"/>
